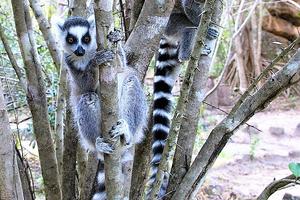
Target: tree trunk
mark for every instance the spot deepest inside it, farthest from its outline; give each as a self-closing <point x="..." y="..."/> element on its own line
<point x="25" y="177"/>
<point x="69" y="156"/>
<point x="109" y="101"/>
<point x="59" y="117"/>
<point x="10" y="182"/>
<point x="36" y="98"/>
<point x="140" y="48"/>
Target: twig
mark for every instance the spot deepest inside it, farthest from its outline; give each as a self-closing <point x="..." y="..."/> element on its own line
<point x="246" y="20"/>
<point x="277" y="185"/>
<point x="228" y="113"/>
<point x="13" y="60"/>
<point x="123" y="19"/>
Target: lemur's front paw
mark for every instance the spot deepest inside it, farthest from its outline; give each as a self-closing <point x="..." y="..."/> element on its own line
<point x="103" y="146"/>
<point x="104" y="56"/>
<point x="121" y="129"/>
<point x="115" y="36"/>
<point x="205" y="50"/>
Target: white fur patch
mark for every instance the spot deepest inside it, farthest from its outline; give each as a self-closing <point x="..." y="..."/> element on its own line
<point x="78" y="32"/>
<point x="139" y="134"/>
<point x="101" y="177"/>
<point x="158" y="143"/>
<point x="170" y="51"/>
<point x="162" y="64"/>
<point x="162" y="112"/>
<point x="99" y="196"/>
<point x="167" y="79"/>
<point x="159" y="95"/>
<point x="157" y="157"/>
<point x="81" y="62"/>
<point x="161" y="127"/>
<point x="127" y="156"/>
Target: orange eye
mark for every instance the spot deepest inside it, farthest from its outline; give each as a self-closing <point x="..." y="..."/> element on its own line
<point x="87" y="39"/>
<point x="70" y="40"/>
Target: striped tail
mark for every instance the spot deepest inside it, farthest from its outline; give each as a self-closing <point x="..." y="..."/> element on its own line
<point x="166" y="73"/>
<point x="99" y="185"/>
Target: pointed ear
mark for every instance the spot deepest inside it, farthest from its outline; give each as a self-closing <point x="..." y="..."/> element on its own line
<point x="58" y="24"/>
<point x="91" y="21"/>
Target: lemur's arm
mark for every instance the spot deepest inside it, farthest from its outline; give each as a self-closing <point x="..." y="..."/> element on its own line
<point x="192" y="10"/>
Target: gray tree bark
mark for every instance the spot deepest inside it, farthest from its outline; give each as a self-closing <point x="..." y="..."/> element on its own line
<point x="135" y="12"/>
<point x="10" y="182"/>
<point x="277" y="185"/>
<point x="36" y="98"/>
<point x="109" y="101"/>
<point x="219" y="136"/>
<point x="59" y="117"/>
<point x="143" y="40"/>
<point x="69" y="156"/>
<point x="24" y="171"/>
<point x="77" y="8"/>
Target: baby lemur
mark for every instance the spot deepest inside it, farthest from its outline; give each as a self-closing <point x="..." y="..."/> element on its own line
<point x="175" y="46"/>
<point x="78" y="39"/>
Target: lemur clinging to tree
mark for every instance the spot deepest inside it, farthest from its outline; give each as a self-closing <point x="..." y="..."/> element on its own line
<point x="175" y="46"/>
<point x="78" y="39"/>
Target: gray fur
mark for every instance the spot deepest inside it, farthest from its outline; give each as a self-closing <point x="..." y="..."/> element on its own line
<point x="84" y="75"/>
<point x="182" y="28"/>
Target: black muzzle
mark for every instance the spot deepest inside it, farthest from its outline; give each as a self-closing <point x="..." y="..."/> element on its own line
<point x="79" y="51"/>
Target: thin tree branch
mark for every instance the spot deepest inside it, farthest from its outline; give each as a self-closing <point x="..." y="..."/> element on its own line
<point x="277" y="185"/>
<point x="13" y="60"/>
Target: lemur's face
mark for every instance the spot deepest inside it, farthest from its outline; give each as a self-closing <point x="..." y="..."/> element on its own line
<point x="78" y="36"/>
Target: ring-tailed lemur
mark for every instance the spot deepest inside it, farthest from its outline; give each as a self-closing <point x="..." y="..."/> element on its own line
<point x="78" y="39"/>
<point x="175" y="46"/>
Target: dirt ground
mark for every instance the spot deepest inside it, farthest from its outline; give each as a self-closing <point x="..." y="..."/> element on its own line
<point x="252" y="159"/>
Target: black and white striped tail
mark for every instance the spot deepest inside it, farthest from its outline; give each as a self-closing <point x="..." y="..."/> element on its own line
<point x="164" y="79"/>
<point x="99" y="186"/>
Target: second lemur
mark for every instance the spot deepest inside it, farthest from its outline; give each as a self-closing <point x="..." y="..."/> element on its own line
<point x="175" y="46"/>
<point x="78" y="39"/>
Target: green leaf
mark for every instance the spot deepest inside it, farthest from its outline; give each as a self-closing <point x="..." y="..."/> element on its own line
<point x="295" y="169"/>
